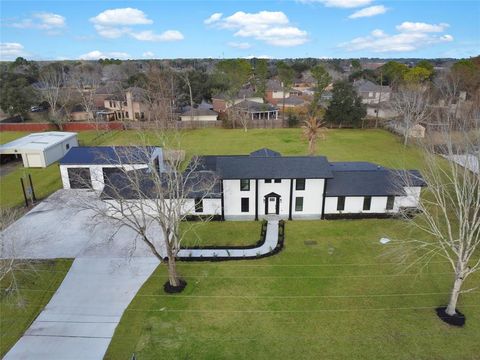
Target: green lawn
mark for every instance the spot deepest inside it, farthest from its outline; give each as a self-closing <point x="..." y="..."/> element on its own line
<point x="226" y="233"/>
<point x="340" y="145"/>
<point x="36" y="289"/>
<point x="338" y="299"/>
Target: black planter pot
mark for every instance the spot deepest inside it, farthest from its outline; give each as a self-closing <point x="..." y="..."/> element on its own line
<point x="169" y="289"/>
<point x="455" y="320"/>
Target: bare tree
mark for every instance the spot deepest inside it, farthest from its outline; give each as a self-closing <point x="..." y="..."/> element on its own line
<point x="243" y="118"/>
<point x="53" y="89"/>
<point x="11" y="267"/>
<point x="155" y="200"/>
<point x="86" y="80"/>
<point x="312" y="130"/>
<point x="411" y="103"/>
<point x="159" y="95"/>
<point x="449" y="217"/>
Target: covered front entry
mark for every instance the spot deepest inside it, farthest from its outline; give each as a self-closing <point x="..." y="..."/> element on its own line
<point x="272" y="203"/>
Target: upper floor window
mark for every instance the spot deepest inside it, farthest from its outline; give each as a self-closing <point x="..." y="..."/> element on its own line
<point x="300" y="184"/>
<point x="278" y="181"/>
<point x="268" y="181"/>
<point x="245" y="185"/>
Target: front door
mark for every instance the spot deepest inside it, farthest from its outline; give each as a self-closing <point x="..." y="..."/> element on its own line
<point x="272" y="205"/>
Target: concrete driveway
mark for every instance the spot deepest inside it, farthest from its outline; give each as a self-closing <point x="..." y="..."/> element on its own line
<point x="108" y="270"/>
<point x="60" y="227"/>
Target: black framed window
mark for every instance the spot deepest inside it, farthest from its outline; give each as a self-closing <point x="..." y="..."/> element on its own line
<point x="367" y="202"/>
<point x="245" y="204"/>
<point x="268" y="181"/>
<point x="198" y="205"/>
<point x="341" y="203"/>
<point x="390" y="202"/>
<point x="299" y="204"/>
<point x="245" y="185"/>
<point x="278" y="181"/>
<point x="300" y="184"/>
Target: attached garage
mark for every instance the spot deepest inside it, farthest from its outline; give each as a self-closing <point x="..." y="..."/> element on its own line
<point x="40" y="149"/>
<point x="87" y="167"/>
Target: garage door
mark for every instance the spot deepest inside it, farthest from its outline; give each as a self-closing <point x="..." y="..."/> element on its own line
<point x="79" y="178"/>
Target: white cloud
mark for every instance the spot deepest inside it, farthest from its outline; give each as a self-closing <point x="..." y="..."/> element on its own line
<point x="369" y="11"/>
<point x="239" y="45"/>
<point x="347" y="4"/>
<point x="125" y="16"/>
<point x="49" y="22"/>
<point x="148" y="35"/>
<point x="408" y="26"/>
<point x="115" y="23"/>
<point x="213" y="18"/>
<point x="96" y="54"/>
<point x="409" y="38"/>
<point x="10" y="51"/>
<point x="257" y="57"/>
<point x="271" y="27"/>
<point x="148" y="54"/>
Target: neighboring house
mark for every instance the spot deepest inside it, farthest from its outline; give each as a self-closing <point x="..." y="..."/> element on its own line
<point x="274" y="92"/>
<point x="199" y="114"/>
<point x="257" y="111"/>
<point x="292" y="102"/>
<point x="372" y="93"/>
<point x="221" y="103"/>
<point x="263" y="183"/>
<point x="39" y="149"/>
<point x="129" y="106"/>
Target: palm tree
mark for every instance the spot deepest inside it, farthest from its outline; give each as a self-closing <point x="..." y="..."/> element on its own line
<point x="312" y="130"/>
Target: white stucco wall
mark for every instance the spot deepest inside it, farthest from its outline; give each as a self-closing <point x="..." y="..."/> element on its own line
<point x="96" y="173"/>
<point x="411" y="199"/>
<point x="210" y="207"/>
<point x="312" y="198"/>
<point x="232" y="200"/>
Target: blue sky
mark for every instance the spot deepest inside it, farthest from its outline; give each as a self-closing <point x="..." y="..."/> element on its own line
<point x="277" y="29"/>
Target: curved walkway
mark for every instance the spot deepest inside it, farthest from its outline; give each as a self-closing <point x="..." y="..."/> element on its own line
<point x="270" y="245"/>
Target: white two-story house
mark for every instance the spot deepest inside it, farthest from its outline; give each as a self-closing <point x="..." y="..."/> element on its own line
<point x="265" y="183"/>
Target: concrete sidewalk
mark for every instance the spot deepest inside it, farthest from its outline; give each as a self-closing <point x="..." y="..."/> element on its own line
<point x="80" y="319"/>
<point x="271" y="242"/>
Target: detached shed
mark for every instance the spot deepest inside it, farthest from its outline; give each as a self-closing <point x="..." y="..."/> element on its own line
<point x="40" y="149"/>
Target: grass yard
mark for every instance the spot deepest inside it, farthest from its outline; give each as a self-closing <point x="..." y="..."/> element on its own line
<point x="239" y="233"/>
<point x="337" y="299"/>
<point x="17" y="313"/>
<point x="340" y="145"/>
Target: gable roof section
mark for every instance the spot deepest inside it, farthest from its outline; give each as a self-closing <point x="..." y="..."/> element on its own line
<point x="264" y="153"/>
<point x="368" y="179"/>
<point x="107" y="155"/>
<point x="276" y="167"/>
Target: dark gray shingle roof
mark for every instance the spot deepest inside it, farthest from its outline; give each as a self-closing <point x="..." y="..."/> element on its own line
<point x="107" y="155"/>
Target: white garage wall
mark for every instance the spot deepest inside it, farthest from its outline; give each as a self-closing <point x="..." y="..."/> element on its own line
<point x="354" y="205"/>
<point x="96" y="173"/>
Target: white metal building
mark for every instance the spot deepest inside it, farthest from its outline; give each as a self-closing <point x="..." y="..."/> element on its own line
<point x="41" y="149"/>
